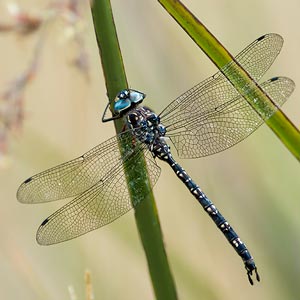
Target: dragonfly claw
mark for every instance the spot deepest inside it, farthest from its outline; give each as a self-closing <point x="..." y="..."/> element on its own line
<point x="249" y="274"/>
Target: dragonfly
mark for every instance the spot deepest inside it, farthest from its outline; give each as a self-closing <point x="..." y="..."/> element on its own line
<point x="209" y="118"/>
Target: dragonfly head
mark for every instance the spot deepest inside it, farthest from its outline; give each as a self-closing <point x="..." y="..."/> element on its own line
<point x="124" y="101"/>
<point x="127" y="99"/>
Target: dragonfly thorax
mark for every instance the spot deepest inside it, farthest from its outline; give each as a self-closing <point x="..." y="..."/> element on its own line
<point x="146" y="125"/>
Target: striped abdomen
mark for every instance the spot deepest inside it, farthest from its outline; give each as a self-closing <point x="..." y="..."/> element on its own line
<point x="162" y="151"/>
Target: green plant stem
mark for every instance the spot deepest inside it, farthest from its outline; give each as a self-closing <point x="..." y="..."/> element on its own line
<point x="145" y="213"/>
<point x="240" y="79"/>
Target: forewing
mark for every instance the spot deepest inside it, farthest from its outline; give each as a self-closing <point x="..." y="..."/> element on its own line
<point x="217" y="129"/>
<point x="76" y="176"/>
<point x="256" y="59"/>
<point x="104" y="202"/>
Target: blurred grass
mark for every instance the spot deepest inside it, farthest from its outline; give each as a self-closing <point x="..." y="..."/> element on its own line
<point x="256" y="188"/>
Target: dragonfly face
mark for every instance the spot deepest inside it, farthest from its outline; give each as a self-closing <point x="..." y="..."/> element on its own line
<point x="126" y="100"/>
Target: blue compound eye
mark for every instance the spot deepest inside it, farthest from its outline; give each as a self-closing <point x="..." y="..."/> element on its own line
<point x="121" y="105"/>
<point x="136" y="96"/>
<point x="127" y="99"/>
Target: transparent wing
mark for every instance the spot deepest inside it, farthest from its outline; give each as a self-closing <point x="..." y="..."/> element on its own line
<point x="76" y="176"/>
<point x="259" y="56"/>
<point x="214" y="130"/>
<point x="256" y="59"/>
<point x="104" y="202"/>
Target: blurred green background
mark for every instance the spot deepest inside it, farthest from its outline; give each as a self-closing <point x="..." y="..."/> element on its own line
<point x="255" y="184"/>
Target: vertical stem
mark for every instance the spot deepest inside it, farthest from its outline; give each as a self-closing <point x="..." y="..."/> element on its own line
<point x="145" y="213"/>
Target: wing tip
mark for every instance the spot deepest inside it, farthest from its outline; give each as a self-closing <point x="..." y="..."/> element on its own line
<point x="261" y="38"/>
<point x="270" y="35"/>
<point x="27" y="180"/>
<point x="44" y="222"/>
<point x="39" y="235"/>
<point x="291" y="82"/>
<point x="21" y="196"/>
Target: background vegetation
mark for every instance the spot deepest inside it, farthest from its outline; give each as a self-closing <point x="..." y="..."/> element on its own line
<point x="255" y="184"/>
